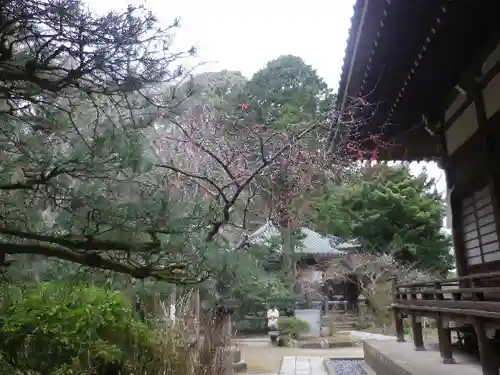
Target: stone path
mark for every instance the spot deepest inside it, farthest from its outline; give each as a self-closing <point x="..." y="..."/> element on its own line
<point x="302" y="366"/>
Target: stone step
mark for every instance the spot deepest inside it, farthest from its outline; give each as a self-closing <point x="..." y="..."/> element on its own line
<point x="327" y="322"/>
<point x="341" y="317"/>
<point x="342" y="320"/>
<point x="344" y="326"/>
<point x="340" y="314"/>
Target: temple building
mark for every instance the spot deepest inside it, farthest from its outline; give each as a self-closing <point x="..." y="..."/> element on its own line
<point x="421" y="82"/>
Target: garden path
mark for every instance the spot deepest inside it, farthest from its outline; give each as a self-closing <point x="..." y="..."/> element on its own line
<point x="302" y="366"/>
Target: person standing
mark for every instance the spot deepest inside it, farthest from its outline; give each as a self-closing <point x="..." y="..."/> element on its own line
<point x="272" y="317"/>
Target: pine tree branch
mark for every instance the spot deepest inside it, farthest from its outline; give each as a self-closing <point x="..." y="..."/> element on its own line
<point x="167" y="273"/>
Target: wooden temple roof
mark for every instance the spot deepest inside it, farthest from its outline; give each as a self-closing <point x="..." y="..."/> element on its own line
<point x="403" y="59"/>
<point x="312" y="242"/>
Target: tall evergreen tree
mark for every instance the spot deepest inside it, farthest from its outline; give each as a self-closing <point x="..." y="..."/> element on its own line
<point x="390" y="211"/>
<point x="287" y="93"/>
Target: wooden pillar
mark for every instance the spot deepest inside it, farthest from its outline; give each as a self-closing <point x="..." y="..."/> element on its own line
<point x="398" y="323"/>
<point x="489" y="363"/>
<point x="398" y="318"/>
<point x="444" y="332"/>
<point x="416" y="327"/>
<point x="455" y="206"/>
<point x="444" y="337"/>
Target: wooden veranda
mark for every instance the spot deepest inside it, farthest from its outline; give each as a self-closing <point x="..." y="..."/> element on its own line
<point x="453" y="303"/>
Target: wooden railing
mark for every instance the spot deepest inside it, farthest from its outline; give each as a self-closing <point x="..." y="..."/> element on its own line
<point x="466" y="299"/>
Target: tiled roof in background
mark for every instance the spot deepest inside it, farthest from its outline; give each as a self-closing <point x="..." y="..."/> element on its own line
<point x="312" y="243"/>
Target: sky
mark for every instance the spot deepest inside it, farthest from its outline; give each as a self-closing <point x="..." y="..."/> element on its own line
<point x="243" y="36"/>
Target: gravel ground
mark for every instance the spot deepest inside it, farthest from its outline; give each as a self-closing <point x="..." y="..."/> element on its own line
<point x="348" y="367"/>
<point x="267" y="359"/>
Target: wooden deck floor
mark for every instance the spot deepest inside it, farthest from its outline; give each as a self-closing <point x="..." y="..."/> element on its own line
<point x="392" y="358"/>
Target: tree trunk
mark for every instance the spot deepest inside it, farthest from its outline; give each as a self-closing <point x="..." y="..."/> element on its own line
<point x="286" y="237"/>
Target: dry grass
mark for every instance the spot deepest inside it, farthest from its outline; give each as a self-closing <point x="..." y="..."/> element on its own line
<point x="176" y="353"/>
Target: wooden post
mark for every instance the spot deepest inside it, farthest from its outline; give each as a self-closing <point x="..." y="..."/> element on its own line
<point x="416" y="327"/>
<point x="398" y="319"/>
<point x="444" y="337"/>
<point x="444" y="332"/>
<point x="489" y="364"/>
<point x="398" y="325"/>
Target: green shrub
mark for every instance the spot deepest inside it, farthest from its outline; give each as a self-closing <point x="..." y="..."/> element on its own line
<point x="54" y="327"/>
<point x="292" y="326"/>
<point x="251" y="325"/>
